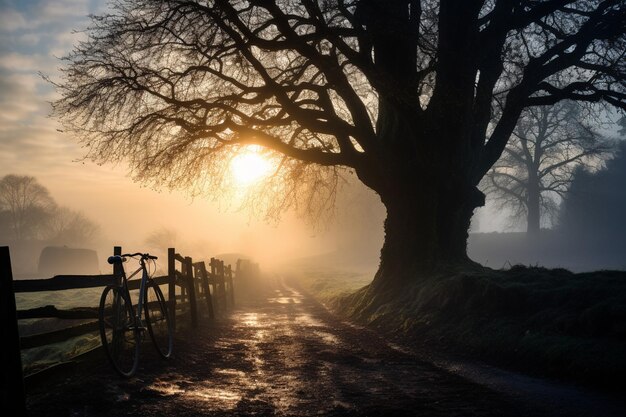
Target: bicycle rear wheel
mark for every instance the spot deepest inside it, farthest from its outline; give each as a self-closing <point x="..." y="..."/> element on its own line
<point x="158" y="320"/>
<point x="118" y="333"/>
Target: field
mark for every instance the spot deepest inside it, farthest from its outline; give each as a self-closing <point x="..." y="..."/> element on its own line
<point x="36" y="359"/>
<point x="42" y="357"/>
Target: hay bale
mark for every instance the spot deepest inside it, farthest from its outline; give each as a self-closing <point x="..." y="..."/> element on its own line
<point x="56" y="260"/>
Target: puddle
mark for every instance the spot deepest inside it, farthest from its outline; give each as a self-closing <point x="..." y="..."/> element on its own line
<point x="230" y="372"/>
<point x="284" y="300"/>
<point x="250" y="319"/>
<point x="327" y="337"/>
<point x="308" y="320"/>
<point x="220" y="398"/>
<point x="122" y="397"/>
<point x="165" y="389"/>
<point x="399" y="348"/>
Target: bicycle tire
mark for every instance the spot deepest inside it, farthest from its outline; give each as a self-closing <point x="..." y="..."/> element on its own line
<point x="120" y="338"/>
<point x="158" y="320"/>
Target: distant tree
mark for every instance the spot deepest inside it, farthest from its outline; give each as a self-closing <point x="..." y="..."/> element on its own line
<point x="28" y="211"/>
<point x="162" y="238"/>
<point x="70" y="227"/>
<point x="595" y="205"/>
<point x="622" y="126"/>
<point x="402" y="92"/>
<point x="548" y="144"/>
<point x="26" y="207"/>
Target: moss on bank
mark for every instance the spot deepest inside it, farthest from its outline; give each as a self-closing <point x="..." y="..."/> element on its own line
<point x="544" y="321"/>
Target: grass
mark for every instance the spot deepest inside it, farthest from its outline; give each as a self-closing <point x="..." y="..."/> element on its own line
<point x="543" y="321"/>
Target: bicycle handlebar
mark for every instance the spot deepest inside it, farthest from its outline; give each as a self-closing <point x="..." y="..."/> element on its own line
<point x="122" y="258"/>
<point x="143" y="255"/>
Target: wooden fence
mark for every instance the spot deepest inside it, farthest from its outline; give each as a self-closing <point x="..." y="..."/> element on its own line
<point x="190" y="285"/>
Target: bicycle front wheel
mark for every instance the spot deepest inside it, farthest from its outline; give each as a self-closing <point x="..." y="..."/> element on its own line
<point x="158" y="320"/>
<point x="119" y="335"/>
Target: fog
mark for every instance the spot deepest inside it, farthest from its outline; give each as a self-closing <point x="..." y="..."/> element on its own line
<point x="142" y="219"/>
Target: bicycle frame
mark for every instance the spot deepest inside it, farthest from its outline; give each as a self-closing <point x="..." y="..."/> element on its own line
<point x="142" y="288"/>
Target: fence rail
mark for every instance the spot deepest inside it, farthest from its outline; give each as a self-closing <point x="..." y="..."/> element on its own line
<point x="187" y="282"/>
<point x="63" y="282"/>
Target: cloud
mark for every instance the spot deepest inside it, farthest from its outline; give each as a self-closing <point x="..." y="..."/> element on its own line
<point x="63" y="10"/>
<point x="19" y="101"/>
<point x="31" y="34"/>
<point x="29" y="39"/>
<point x="12" y="20"/>
<point x="18" y="62"/>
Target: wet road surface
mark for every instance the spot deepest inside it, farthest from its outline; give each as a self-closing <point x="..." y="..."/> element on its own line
<point x="279" y="354"/>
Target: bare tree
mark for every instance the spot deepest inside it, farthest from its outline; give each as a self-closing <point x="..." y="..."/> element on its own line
<point x="70" y="227"/>
<point x="162" y="238"/>
<point x="400" y="91"/>
<point x="548" y="144"/>
<point x="25" y="206"/>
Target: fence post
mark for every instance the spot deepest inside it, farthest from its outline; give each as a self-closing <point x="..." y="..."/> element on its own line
<point x="222" y="275"/>
<point x="229" y="274"/>
<point x="117" y="268"/>
<point x="207" y="290"/>
<point x="183" y="289"/>
<point x="196" y="280"/>
<point x="192" y="291"/>
<point x="13" y="394"/>
<point x="171" y="284"/>
<point x="219" y="279"/>
<point x="213" y="266"/>
<point x="237" y="272"/>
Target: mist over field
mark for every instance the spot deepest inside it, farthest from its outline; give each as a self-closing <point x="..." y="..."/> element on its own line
<point x="141" y="219"/>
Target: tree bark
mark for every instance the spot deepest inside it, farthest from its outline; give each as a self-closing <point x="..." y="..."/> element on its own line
<point x="427" y="191"/>
<point x="533" y="206"/>
<point x="426" y="228"/>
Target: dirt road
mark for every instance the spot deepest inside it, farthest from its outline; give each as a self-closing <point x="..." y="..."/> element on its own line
<point x="279" y="354"/>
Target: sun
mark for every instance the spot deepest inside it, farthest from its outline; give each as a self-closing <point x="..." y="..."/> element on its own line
<point x="249" y="166"/>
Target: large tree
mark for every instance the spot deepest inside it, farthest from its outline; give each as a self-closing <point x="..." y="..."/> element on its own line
<point x="548" y="144"/>
<point x="402" y="92"/>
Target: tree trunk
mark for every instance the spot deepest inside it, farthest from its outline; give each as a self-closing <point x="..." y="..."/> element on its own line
<point x="423" y="168"/>
<point x="427" y="192"/>
<point x="533" y="206"/>
<point x="425" y="231"/>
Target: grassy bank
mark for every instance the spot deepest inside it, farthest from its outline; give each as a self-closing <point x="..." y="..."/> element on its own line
<point x="548" y="322"/>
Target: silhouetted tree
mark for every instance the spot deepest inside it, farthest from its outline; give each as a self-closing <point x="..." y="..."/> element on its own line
<point x="548" y="144"/>
<point x="594" y="207"/>
<point x="25" y="207"/>
<point x="400" y="91"/>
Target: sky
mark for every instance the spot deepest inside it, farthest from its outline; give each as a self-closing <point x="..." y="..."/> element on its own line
<point x="33" y="36"/>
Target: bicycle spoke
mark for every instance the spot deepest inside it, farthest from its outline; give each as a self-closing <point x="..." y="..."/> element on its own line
<point x="117" y="331"/>
<point x="157" y="320"/>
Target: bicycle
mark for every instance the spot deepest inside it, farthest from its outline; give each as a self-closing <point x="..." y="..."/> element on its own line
<point x="121" y="325"/>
